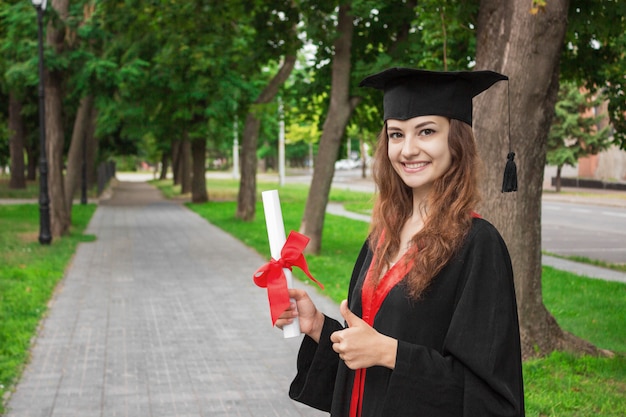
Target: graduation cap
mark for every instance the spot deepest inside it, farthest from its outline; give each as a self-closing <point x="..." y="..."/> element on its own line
<point x="409" y="93"/>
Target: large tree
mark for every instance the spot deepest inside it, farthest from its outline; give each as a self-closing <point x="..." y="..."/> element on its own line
<point x="94" y="73"/>
<point x="526" y="47"/>
<point x="339" y="112"/>
<point x="276" y="40"/>
<point x="246" y="200"/>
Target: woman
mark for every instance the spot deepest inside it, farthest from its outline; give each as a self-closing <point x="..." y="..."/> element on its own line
<point x="431" y="316"/>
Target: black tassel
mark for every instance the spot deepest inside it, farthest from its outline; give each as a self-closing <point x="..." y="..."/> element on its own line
<point x="509" y="182"/>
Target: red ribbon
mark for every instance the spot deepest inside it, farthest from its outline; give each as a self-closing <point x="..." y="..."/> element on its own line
<point x="272" y="277"/>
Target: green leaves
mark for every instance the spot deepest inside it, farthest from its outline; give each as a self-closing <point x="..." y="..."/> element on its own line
<point x="18" y="45"/>
<point x="594" y="56"/>
<point x="155" y="64"/>
<point x="575" y="129"/>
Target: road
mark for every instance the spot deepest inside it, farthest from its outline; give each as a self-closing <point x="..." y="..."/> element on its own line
<point x="593" y="231"/>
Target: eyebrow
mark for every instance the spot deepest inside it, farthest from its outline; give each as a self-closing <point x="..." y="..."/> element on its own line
<point x="418" y="126"/>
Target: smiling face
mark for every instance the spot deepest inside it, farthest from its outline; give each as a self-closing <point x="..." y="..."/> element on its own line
<point x="418" y="150"/>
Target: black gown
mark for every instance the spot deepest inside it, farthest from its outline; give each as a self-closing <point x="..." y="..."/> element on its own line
<point x="458" y="346"/>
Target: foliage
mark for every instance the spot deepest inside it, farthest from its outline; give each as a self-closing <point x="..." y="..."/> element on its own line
<point x="18" y="46"/>
<point x="448" y="34"/>
<point x="28" y="274"/>
<point x="184" y="79"/>
<point x="155" y="70"/>
<point x="76" y="60"/>
<point x="574" y="132"/>
<point x="431" y="34"/>
<point x="302" y="123"/>
<point x="18" y="69"/>
<point x="594" y="54"/>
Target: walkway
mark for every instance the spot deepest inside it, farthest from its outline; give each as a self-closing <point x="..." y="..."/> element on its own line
<point x="159" y="317"/>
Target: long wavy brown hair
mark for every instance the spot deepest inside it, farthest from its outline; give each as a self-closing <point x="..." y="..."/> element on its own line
<point x="449" y="208"/>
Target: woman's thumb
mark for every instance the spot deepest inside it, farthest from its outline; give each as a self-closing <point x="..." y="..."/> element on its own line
<point x="350" y="318"/>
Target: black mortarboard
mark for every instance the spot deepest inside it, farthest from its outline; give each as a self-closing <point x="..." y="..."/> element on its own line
<point x="412" y="92"/>
<point x="409" y="93"/>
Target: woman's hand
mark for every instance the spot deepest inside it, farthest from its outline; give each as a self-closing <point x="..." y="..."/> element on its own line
<point x="360" y="345"/>
<point x="311" y="320"/>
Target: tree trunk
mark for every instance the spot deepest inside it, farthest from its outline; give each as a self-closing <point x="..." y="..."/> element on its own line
<point x="558" y="178"/>
<point x="59" y="214"/>
<point x="185" y="164"/>
<point x="198" y="179"/>
<point x="339" y="111"/>
<point x="92" y="148"/>
<point x="526" y="48"/>
<point x="176" y="157"/>
<point x="32" y="158"/>
<point x="164" y="165"/>
<point x="246" y="199"/>
<point x="16" y="143"/>
<point x="31" y="165"/>
<point x="78" y="152"/>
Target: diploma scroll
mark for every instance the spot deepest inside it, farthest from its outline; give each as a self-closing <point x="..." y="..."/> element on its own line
<point x="276" y="237"/>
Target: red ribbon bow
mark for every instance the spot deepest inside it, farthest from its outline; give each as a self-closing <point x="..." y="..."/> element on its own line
<point x="272" y="277"/>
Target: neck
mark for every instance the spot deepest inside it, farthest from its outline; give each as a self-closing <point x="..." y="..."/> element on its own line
<point x="420" y="208"/>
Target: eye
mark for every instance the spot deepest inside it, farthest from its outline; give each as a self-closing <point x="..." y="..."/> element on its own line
<point x="394" y="135"/>
<point x="426" y="132"/>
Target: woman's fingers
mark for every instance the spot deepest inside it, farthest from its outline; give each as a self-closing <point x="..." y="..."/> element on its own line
<point x="287" y="317"/>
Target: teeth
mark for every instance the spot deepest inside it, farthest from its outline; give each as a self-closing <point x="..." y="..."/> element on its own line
<point x="415" y="165"/>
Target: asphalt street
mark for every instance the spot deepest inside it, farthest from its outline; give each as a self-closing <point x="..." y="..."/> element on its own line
<point x="590" y="230"/>
<point x="579" y="222"/>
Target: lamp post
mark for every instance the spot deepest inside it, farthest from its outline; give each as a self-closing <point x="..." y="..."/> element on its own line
<point x="45" y="236"/>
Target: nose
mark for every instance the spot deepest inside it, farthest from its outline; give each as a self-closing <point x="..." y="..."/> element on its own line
<point x="410" y="147"/>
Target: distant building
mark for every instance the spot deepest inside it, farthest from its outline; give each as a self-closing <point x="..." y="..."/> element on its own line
<point x="608" y="165"/>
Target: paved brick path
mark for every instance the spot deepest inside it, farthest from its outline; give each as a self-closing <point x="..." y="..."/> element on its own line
<point x="159" y="317"/>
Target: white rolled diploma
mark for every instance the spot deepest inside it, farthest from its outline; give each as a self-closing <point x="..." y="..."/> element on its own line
<point x="277" y="239"/>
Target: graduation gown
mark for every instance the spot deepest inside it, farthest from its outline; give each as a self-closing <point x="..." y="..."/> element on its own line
<point x="458" y="345"/>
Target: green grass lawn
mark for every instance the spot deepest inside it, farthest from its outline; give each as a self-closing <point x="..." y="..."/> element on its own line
<point x="31" y="190"/>
<point x="558" y="385"/>
<point x="29" y="273"/>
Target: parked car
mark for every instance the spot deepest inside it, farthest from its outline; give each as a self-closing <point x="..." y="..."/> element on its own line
<point x="348" y="163"/>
